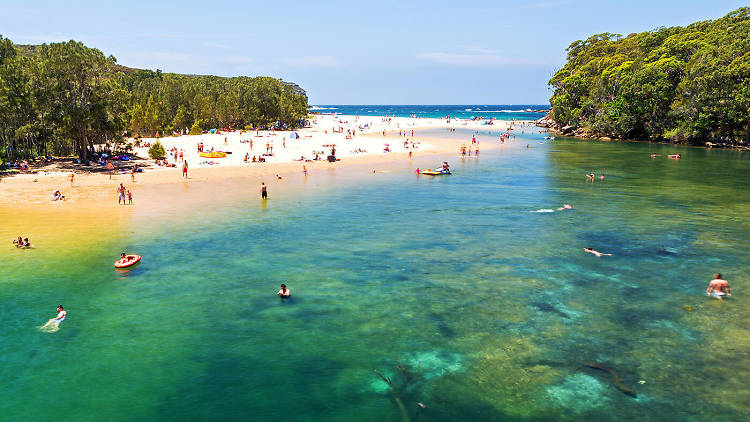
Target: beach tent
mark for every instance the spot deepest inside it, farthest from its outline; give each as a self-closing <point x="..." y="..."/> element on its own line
<point x="294" y="135"/>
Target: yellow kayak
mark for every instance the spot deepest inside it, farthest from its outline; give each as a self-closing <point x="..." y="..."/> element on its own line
<point x="215" y="154"/>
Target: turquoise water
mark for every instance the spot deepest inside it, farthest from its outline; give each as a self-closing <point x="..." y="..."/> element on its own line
<point x="492" y="307"/>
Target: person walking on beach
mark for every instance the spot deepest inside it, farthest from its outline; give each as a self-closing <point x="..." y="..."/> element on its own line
<point x="121" y="195"/>
<point x="263" y="191"/>
<point x="71" y="177"/>
<point x="184" y="169"/>
<point x="304" y="169"/>
<point x="718" y="287"/>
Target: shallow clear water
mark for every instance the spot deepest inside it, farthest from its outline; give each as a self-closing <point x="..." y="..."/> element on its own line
<point x="492" y="306"/>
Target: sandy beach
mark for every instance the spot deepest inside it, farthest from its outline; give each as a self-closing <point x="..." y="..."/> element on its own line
<point x="360" y="143"/>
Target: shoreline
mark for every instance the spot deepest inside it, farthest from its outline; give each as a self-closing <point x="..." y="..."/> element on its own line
<point x="159" y="193"/>
<point x="550" y="127"/>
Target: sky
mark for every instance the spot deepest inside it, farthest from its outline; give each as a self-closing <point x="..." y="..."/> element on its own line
<point x="346" y="52"/>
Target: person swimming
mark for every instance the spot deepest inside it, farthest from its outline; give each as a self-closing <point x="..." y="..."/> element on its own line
<point x="53" y="324"/>
<point x="597" y="253"/>
<point x="565" y="207"/>
<point x="284" y="292"/>
<point x="718" y="287"/>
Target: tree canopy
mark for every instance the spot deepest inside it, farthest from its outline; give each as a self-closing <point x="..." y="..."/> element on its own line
<point x="685" y="84"/>
<point x="64" y="98"/>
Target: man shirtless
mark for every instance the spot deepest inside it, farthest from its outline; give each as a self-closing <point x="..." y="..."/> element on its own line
<point x="121" y="194"/>
<point x="718" y="287"/>
<point x="597" y="253"/>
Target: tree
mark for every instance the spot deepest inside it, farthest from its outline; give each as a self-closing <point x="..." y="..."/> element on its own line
<point x="157" y="151"/>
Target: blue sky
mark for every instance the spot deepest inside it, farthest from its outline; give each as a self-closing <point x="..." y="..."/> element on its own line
<point x="381" y="52"/>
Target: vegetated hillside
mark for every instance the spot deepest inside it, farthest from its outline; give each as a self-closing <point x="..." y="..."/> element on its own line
<point x="65" y="97"/>
<point x="688" y="84"/>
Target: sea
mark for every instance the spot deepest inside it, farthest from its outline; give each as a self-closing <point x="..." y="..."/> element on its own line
<point x="499" y="112"/>
<point x="466" y="297"/>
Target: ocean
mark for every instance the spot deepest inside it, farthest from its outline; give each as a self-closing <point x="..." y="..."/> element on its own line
<point x="499" y="112"/>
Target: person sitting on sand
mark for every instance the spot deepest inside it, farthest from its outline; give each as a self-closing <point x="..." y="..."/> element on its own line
<point x="597" y="253"/>
<point x="58" y="196"/>
<point x="26" y="244"/>
<point x="284" y="292"/>
<point x="718" y="287"/>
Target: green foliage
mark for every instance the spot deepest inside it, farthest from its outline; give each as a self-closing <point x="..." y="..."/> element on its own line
<point x="157" y="150"/>
<point x="688" y="84"/>
<point x="67" y="98"/>
<point x="195" y="129"/>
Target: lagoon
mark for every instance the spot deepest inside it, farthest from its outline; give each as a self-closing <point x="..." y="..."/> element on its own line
<point x="490" y="304"/>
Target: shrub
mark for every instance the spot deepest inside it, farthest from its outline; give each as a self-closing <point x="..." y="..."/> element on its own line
<point x="157" y="151"/>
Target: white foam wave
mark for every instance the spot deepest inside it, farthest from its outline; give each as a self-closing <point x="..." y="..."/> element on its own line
<point x="323" y="108"/>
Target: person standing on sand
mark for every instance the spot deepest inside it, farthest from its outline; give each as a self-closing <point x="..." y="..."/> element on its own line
<point x="263" y="191"/>
<point x="304" y="169"/>
<point x="130" y="198"/>
<point x="121" y="195"/>
<point x="718" y="287"/>
<point x="185" y="169"/>
<point x="71" y="177"/>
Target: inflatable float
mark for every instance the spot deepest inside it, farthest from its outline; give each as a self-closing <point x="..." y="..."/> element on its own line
<point x="435" y="172"/>
<point x="128" y="261"/>
<point x="215" y="154"/>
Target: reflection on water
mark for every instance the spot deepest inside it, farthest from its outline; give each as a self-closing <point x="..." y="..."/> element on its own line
<point x="492" y="307"/>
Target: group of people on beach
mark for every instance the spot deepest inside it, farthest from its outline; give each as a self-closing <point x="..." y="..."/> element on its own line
<point x="22" y="243"/>
<point x="123" y="193"/>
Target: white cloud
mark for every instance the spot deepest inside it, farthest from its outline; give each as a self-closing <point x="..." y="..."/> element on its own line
<point x="476" y="57"/>
<point x="214" y="45"/>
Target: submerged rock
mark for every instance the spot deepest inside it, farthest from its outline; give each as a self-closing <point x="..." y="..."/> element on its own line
<point x="579" y="393"/>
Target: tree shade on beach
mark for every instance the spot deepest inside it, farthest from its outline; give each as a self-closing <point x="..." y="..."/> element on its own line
<point x="64" y="98"/>
<point x="688" y="84"/>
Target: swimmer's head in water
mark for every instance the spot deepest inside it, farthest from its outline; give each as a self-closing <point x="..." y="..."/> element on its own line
<point x="283" y="286"/>
<point x="59" y="307"/>
<point x="717" y="275"/>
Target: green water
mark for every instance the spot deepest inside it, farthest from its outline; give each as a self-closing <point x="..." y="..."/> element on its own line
<point x="492" y="306"/>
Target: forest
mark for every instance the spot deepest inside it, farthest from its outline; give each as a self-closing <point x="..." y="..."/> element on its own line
<point x="65" y="98"/>
<point x="680" y="84"/>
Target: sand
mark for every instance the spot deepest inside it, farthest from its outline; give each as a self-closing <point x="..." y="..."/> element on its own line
<point x="27" y="209"/>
